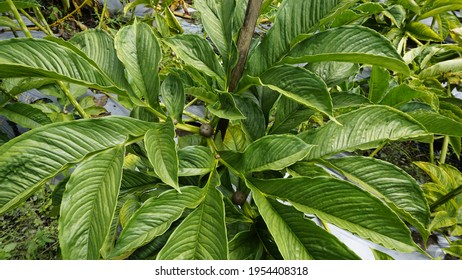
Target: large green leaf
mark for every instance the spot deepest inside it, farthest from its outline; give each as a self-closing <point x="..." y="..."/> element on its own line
<point x="137" y="181"/>
<point x="401" y="94"/>
<point x="254" y="123"/>
<point x="297" y="237"/>
<point x="245" y="246"/>
<point x="410" y="4"/>
<point x="235" y="138"/>
<point x="288" y="115"/>
<point x="452" y="65"/>
<point x="198" y="53"/>
<point x="217" y="17"/>
<point x="440" y="6"/>
<point x="365" y="128"/>
<point x="436" y="123"/>
<point x="226" y="107"/>
<point x="173" y="96"/>
<point x="139" y="51"/>
<point x="273" y="152"/>
<point x="343" y="100"/>
<point x="333" y="72"/>
<point x="391" y="184"/>
<point x="98" y="45"/>
<point x="202" y="235"/>
<point x="344" y="205"/>
<point x="162" y="153"/>
<point x="300" y="85"/>
<point x="422" y="31"/>
<point x="378" y="83"/>
<point x="153" y="218"/>
<point x="195" y="160"/>
<point x="294" y="18"/>
<point x="88" y="204"/>
<point x="25" y="57"/>
<point x="355" y="44"/>
<point x="24" y="115"/>
<point x="28" y="161"/>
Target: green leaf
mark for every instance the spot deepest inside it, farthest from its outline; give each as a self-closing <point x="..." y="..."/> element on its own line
<point x="397" y="14"/>
<point x="300" y="85"/>
<point x="441" y="6"/>
<point x="364" y="128"/>
<point x="422" y="31"/>
<point x="154" y="218"/>
<point x="342" y="100"/>
<point x="391" y="184"/>
<point x="198" y="53"/>
<point x="6" y="21"/>
<point x="410" y="4"/>
<point x="20" y="4"/>
<point x="401" y="94"/>
<point x="344" y="205"/>
<point x="24" y="115"/>
<point x="436" y="123"/>
<point x="98" y="45"/>
<point x="26" y="57"/>
<point x="254" y="123"/>
<point x="137" y="181"/>
<point x="378" y="255"/>
<point x="88" y="204"/>
<point x="454" y="250"/>
<point x="226" y="107"/>
<point x="245" y="246"/>
<point x="202" y="235"/>
<point x="235" y="138"/>
<point x="31" y="159"/>
<point x="440" y="68"/>
<point x="195" y="160"/>
<point x="162" y="154"/>
<point x="217" y="18"/>
<point x="297" y="237"/>
<point x="307" y="169"/>
<point x="355" y="44"/>
<point x="173" y="96"/>
<point x="288" y="115"/>
<point x="293" y="19"/>
<point x="140" y="53"/>
<point x="273" y="152"/>
<point x="333" y="73"/>
<point x="378" y="84"/>
<point x="128" y="209"/>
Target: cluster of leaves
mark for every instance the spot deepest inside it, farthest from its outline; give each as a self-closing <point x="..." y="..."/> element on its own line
<point x="155" y="185"/>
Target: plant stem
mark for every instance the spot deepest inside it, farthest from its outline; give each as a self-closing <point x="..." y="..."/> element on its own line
<point x="195" y="117"/>
<point x="103" y="12"/>
<point x="432" y="153"/>
<point x="444" y="149"/>
<point x="243" y="47"/>
<point x="73" y="101"/>
<point x="190" y="103"/>
<point x="244" y="40"/>
<point x="26" y="14"/>
<point x="187" y="127"/>
<point x="18" y="18"/>
<point x="40" y="16"/>
<point x="61" y="20"/>
<point x="442" y="200"/>
<point x="376" y="151"/>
